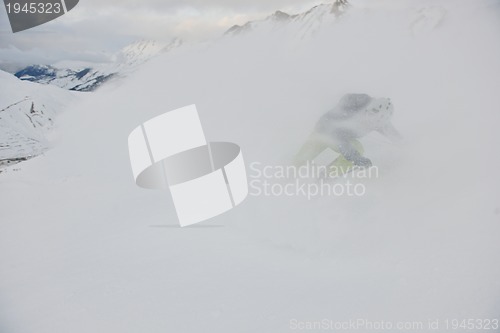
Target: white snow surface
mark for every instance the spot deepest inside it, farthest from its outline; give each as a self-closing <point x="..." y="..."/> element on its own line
<point x="84" y="250"/>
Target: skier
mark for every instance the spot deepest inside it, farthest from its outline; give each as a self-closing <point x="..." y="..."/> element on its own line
<point x="340" y="128"/>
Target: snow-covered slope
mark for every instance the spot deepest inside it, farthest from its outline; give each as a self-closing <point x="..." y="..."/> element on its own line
<point x="27" y="113"/>
<point x="85" y="77"/>
<point x="83" y="249"/>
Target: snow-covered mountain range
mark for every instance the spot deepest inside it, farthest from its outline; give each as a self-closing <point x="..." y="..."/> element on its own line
<point x="88" y="77"/>
<point x="301" y="25"/>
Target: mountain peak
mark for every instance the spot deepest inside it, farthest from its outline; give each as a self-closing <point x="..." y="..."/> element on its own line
<point x="281" y="16"/>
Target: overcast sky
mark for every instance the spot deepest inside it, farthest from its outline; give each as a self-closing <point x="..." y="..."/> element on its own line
<point x="97" y="26"/>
